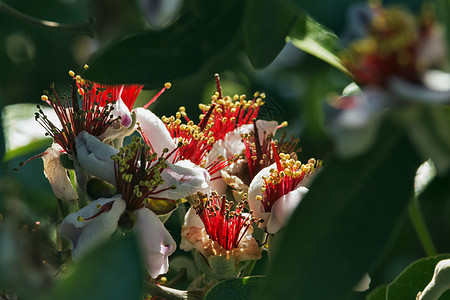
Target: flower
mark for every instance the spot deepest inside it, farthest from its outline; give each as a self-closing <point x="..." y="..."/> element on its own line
<point x="102" y="107"/>
<point x="223" y="236"/>
<point x="395" y="63"/>
<point x="276" y="190"/>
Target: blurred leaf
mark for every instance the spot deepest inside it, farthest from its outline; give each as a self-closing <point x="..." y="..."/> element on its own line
<point x="265" y="27"/>
<point x="155" y="57"/>
<point x="333" y="13"/>
<point x="415" y="278"/>
<point x="112" y="271"/>
<point x="29" y="149"/>
<point x="319" y="41"/>
<point x="2" y="137"/>
<point x="443" y="11"/>
<point x="234" y="289"/>
<point x="379" y="293"/>
<point x="343" y="224"/>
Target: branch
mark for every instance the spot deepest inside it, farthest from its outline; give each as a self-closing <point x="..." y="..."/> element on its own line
<point x="86" y="28"/>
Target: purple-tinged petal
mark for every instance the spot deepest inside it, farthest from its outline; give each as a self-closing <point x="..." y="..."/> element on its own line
<point x="92" y="225"/>
<point x="94" y="156"/>
<point x="156" y="242"/>
<point x="121" y="110"/>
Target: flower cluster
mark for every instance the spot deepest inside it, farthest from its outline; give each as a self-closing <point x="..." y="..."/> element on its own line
<point x="142" y="182"/>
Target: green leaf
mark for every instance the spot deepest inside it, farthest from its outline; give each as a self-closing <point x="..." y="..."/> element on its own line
<point x="29" y="149"/>
<point x="319" y="41"/>
<point x="112" y="271"/>
<point x="415" y="278"/>
<point x="265" y="27"/>
<point x="156" y="57"/>
<point x="344" y="223"/>
<point x="378" y="293"/>
<point x="234" y="289"/>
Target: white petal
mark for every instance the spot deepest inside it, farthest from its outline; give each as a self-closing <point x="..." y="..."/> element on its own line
<point x="88" y="232"/>
<point x="187" y="177"/>
<point x="95" y="156"/>
<point x="121" y="110"/>
<point x="414" y="92"/>
<point x="265" y="128"/>
<point x="283" y="208"/>
<point x="57" y="175"/>
<point x="155" y="130"/>
<point x="254" y="190"/>
<point x="191" y="219"/>
<point x="233" y="140"/>
<point x="155" y="240"/>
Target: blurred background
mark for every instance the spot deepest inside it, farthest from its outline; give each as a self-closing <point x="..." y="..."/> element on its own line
<point x="153" y="42"/>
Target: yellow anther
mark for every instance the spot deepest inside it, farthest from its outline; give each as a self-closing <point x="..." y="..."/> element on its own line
<point x="80" y="219"/>
<point x="182" y="109"/>
<point x="44" y="98"/>
<point x="284" y="124"/>
<point x="72" y="73"/>
<point x="167" y="85"/>
<point x="86" y="66"/>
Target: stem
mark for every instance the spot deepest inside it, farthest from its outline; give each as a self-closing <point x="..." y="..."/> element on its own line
<point x="170" y="293"/>
<point x="248" y="269"/>
<point x="86" y="28"/>
<point x="421" y="228"/>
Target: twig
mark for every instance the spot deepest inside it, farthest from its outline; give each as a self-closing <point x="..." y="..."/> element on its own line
<point x="86" y="28"/>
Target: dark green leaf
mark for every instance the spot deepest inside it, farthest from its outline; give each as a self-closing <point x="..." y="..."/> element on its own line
<point x="155" y="57"/>
<point x="112" y="271"/>
<point x="236" y="289"/>
<point x="29" y="149"/>
<point x="415" y="278"/>
<point x="265" y="27"/>
<point x="378" y="294"/>
<point x="343" y="224"/>
<point x="319" y="41"/>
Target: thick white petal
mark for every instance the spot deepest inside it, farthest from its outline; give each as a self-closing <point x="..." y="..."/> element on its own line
<point x="156" y="242"/>
<point x="191" y="219"/>
<point x="233" y="140"/>
<point x="121" y="110"/>
<point x="283" y="208"/>
<point x="414" y="92"/>
<point x="254" y="190"/>
<point x="57" y="175"/>
<point x="187" y="177"/>
<point x="87" y="233"/>
<point x="265" y="128"/>
<point x="155" y="130"/>
<point x="95" y="156"/>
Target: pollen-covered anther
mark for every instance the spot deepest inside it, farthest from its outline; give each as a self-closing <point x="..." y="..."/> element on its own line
<point x="167" y="85"/>
<point x="44" y="98"/>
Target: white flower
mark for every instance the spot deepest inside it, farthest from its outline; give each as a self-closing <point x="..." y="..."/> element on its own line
<point x="96" y="222"/>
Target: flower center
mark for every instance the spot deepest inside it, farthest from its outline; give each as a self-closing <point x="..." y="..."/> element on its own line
<point x="88" y="108"/>
<point x="138" y="173"/>
<point x="225" y="114"/>
<point x="222" y="224"/>
<point x="285" y="178"/>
